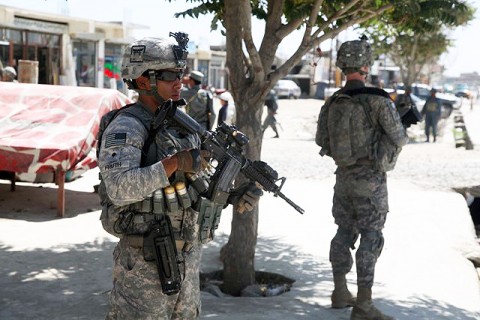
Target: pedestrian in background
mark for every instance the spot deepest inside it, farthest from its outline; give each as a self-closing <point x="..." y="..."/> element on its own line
<point x="9" y="74"/>
<point x="199" y="101"/>
<point x="227" y="113"/>
<point x="432" y="110"/>
<point x="272" y="107"/>
<point x="360" y="201"/>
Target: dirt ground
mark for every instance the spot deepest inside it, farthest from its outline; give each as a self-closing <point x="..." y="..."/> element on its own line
<point x="60" y="268"/>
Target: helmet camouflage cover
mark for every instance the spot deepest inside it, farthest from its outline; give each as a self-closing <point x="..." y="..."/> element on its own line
<point x="354" y="54"/>
<point x="154" y="54"/>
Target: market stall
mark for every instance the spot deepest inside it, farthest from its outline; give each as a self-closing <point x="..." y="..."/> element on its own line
<point x="50" y="131"/>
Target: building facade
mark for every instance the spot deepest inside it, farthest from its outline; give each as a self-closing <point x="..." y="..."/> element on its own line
<point x="63" y="50"/>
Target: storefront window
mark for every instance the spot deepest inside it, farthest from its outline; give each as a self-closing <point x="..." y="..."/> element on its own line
<point x="113" y="65"/>
<point x="43" y="39"/>
<point x="203" y="68"/>
<point x="84" y="54"/>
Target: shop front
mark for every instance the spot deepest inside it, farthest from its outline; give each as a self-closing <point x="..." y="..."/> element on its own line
<point x="62" y="50"/>
<point x="43" y="45"/>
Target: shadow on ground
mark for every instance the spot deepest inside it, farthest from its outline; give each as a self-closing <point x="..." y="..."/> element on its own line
<point x="69" y="282"/>
<point x="72" y="282"/>
<point x="313" y="283"/>
<point x="39" y="203"/>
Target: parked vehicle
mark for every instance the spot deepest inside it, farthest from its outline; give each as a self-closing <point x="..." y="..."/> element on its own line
<point x="463" y="91"/>
<point x="287" y="89"/>
<point x="449" y="101"/>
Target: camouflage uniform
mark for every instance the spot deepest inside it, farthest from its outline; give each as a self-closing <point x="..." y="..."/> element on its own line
<point x="128" y="183"/>
<point x="364" y="135"/>
<point x="134" y="187"/>
<point x="136" y="292"/>
<point x="360" y="202"/>
<point x="199" y="105"/>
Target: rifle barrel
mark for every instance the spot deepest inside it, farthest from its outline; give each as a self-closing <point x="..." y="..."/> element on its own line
<point x="290" y="202"/>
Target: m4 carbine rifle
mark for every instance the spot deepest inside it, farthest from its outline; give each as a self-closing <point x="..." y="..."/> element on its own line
<point x="226" y="145"/>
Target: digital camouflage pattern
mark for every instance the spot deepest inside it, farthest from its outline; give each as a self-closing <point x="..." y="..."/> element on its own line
<point x="360" y="202"/>
<point x="137" y="292"/>
<point x="349" y="136"/>
<point x="149" y="54"/>
<point x="354" y="55"/>
<point x="360" y="206"/>
<point x="345" y="133"/>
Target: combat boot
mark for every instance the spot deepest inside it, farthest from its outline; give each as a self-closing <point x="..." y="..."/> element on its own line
<point x="364" y="308"/>
<point x="341" y="297"/>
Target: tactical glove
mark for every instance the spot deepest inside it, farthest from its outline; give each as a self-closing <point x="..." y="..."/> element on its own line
<point x="192" y="160"/>
<point x="249" y="198"/>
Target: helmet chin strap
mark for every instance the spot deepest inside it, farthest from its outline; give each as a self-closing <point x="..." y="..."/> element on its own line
<point x="153" y="87"/>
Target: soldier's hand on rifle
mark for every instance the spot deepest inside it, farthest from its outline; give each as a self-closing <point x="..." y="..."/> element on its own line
<point x="192" y="160"/>
<point x="249" y="198"/>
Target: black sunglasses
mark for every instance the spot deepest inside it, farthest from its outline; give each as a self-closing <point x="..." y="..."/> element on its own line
<point x="165" y="75"/>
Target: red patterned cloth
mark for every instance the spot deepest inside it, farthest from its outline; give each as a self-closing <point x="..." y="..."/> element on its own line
<point x="44" y="128"/>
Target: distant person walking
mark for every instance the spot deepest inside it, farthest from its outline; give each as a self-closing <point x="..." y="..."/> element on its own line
<point x="272" y="107"/>
<point x="432" y="110"/>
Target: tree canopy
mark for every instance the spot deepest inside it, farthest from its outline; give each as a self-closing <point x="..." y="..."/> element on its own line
<point x="414" y="43"/>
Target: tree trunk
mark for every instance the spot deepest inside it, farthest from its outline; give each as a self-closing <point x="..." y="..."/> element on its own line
<point x="239" y="253"/>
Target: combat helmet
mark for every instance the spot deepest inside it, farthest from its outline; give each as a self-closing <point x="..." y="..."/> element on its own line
<point x="154" y="54"/>
<point x="353" y="55"/>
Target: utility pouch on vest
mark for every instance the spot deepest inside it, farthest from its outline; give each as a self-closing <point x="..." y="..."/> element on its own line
<point x="182" y="194"/>
<point x="171" y="199"/>
<point x="146" y="204"/>
<point x="208" y="218"/>
<point x="159" y="206"/>
<point x="159" y="245"/>
<point x="387" y="155"/>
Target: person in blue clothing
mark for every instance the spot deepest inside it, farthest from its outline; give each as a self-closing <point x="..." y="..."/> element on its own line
<point x="432" y="111"/>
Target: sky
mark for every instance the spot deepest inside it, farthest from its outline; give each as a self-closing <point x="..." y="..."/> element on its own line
<point x="158" y="15"/>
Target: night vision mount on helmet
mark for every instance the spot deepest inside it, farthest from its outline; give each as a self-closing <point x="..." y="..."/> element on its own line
<point x="355" y="54"/>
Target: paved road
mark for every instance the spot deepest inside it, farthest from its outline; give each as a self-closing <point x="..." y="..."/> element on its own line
<point x="61" y="268"/>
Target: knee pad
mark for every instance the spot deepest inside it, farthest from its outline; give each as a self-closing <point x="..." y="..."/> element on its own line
<point x="373" y="241"/>
<point x="348" y="236"/>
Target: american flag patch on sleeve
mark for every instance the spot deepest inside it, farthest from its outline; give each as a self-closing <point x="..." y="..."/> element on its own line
<point x="115" y="140"/>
